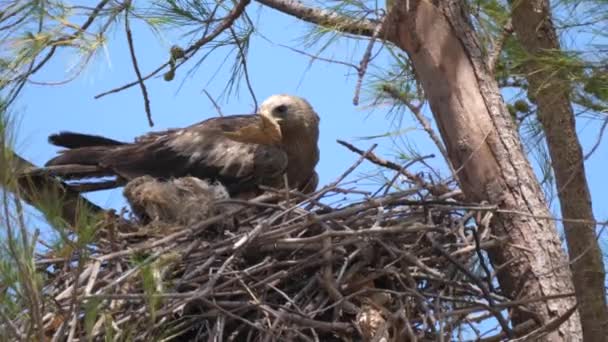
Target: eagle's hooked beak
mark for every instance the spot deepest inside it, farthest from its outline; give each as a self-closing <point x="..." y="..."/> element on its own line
<point x="270" y="125"/>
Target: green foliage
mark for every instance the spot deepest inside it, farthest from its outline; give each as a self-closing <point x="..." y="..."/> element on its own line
<point x="149" y="282"/>
<point x="9" y="277"/>
<point x="178" y="13"/>
<point x="489" y="18"/>
<point x="31" y="32"/>
<point x="579" y="65"/>
<point x="109" y="330"/>
<point x="91" y="313"/>
<point x="521" y="106"/>
<point x="596" y="85"/>
<point x="21" y="279"/>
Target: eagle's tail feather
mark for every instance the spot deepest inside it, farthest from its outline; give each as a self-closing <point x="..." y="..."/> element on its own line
<point x="97" y="185"/>
<point x="76" y="171"/>
<point x="82" y="156"/>
<point x="76" y="140"/>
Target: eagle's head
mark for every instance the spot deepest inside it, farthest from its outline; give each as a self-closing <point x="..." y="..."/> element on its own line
<point x="291" y="113"/>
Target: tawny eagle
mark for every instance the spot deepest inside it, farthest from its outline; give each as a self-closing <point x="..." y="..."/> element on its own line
<point x="240" y="151"/>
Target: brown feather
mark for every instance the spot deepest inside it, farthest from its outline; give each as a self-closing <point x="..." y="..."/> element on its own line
<point x="264" y="132"/>
<point x="240" y="151"/>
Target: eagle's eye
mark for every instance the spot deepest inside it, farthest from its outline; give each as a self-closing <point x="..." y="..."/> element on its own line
<point x="281" y="109"/>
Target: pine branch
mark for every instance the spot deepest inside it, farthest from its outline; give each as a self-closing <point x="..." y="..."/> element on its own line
<point x="325" y="18"/>
<point x="226" y="23"/>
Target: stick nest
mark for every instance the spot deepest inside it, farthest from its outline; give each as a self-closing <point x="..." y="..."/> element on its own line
<point x="190" y="263"/>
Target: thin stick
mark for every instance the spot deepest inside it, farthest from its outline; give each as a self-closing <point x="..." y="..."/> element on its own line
<point x="140" y="80"/>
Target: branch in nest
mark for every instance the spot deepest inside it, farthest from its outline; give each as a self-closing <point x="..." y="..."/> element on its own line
<point x="435" y="189"/>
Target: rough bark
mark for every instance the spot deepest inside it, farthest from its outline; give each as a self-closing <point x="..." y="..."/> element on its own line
<point x="484" y="147"/>
<point x="534" y="29"/>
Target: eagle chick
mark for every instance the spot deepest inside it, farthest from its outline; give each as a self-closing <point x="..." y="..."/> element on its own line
<point x="183" y="201"/>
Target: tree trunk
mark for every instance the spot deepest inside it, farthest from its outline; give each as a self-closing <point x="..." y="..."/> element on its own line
<point x="484" y="147"/>
<point x="532" y="23"/>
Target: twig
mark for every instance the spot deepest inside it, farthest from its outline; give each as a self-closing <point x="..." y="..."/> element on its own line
<point x="245" y="71"/>
<point x="436" y="190"/>
<point x="481" y="258"/>
<point x="12" y="327"/>
<point x="218" y="109"/>
<point x="598" y="140"/>
<point x="426" y="125"/>
<point x="315" y="57"/>
<point x="142" y="85"/>
<point x="477" y="281"/>
<point x="190" y="51"/>
<point x="365" y="61"/>
<point x="323" y="326"/>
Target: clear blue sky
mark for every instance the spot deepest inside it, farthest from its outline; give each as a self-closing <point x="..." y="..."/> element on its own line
<point x="43" y="110"/>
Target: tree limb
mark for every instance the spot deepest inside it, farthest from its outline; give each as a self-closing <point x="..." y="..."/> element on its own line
<point x="38" y="189"/>
<point x="322" y="17"/>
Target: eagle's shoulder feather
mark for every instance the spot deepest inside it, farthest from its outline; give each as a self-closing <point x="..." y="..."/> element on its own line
<point x="201" y="150"/>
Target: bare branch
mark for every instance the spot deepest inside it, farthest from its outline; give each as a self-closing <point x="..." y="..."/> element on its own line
<point x="144" y="90"/>
<point x="316" y="57"/>
<point x="217" y="107"/>
<point x="92" y="17"/>
<point x="322" y="17"/>
<point x="426" y="125"/>
<point x="497" y="314"/>
<point x="494" y="55"/>
<point x="437" y="190"/>
<point x="234" y="14"/>
<point x="367" y="56"/>
<point x="245" y="69"/>
<point x="599" y="139"/>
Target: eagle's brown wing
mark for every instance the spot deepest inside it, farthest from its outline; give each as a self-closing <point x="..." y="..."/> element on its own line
<point x="206" y="150"/>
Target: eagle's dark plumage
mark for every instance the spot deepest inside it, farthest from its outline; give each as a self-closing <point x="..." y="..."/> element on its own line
<point x="240" y="151"/>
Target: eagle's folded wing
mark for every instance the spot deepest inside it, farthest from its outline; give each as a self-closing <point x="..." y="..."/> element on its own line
<point x="206" y="150"/>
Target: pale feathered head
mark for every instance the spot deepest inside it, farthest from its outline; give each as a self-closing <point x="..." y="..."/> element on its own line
<point x="290" y="112"/>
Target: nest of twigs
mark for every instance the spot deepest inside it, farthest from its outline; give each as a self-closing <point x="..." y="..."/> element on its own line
<point x="393" y="266"/>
